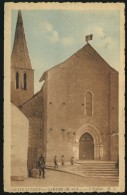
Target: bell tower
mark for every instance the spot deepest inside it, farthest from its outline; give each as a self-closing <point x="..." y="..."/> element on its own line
<point x="22" y="74"/>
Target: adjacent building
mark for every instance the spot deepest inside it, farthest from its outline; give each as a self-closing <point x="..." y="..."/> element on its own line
<point x="19" y="143"/>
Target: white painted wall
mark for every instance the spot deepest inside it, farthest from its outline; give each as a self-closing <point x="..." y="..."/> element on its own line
<point x="19" y="143"/>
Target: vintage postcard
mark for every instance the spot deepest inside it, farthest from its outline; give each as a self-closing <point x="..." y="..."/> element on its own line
<point x="64" y="97"/>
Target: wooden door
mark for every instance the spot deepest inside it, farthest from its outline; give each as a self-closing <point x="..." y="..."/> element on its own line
<point x="86" y="147"/>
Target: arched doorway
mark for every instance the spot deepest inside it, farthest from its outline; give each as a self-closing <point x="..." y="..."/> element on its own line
<point x="86" y="147"/>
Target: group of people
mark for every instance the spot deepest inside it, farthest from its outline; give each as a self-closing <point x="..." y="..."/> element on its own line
<point x="62" y="161"/>
<point x="41" y="164"/>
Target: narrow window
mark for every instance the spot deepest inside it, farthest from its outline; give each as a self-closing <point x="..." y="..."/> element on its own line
<point x="89" y="103"/>
<point x="25" y="81"/>
<point x="17" y="80"/>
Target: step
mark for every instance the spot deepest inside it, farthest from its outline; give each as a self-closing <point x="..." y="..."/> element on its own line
<point x="96" y="173"/>
<point x="99" y="174"/>
<point x="95" y="164"/>
<point x="104" y="167"/>
<point x="98" y="165"/>
<point x="95" y="169"/>
<point x="101" y="170"/>
<point x="95" y="161"/>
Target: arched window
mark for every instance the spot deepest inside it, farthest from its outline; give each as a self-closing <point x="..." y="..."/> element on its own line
<point x="17" y="80"/>
<point x="89" y="103"/>
<point x="25" y="81"/>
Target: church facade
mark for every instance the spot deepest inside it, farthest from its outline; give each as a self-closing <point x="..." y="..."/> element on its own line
<point x="76" y="111"/>
<point x="80" y="101"/>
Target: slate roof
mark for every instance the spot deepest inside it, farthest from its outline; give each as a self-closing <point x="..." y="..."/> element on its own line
<point x="20" y="55"/>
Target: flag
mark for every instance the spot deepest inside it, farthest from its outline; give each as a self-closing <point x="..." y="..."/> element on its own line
<point x="89" y="37"/>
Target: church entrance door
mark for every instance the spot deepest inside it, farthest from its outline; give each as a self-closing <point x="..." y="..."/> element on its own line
<point x="86" y="147"/>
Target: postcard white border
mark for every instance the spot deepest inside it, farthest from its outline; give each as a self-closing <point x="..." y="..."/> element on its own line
<point x="7" y="109"/>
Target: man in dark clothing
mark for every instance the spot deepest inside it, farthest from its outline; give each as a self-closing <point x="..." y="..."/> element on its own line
<point x="41" y="166"/>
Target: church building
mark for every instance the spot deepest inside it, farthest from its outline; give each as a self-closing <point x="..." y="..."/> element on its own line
<point x="76" y="111"/>
<point x="80" y="108"/>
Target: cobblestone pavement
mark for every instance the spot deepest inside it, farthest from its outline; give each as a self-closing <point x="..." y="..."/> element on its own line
<point x="61" y="179"/>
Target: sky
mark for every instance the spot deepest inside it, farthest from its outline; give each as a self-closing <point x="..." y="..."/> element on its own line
<point x="54" y="35"/>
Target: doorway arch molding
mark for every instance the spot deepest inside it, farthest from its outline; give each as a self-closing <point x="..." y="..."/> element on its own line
<point x="94" y="132"/>
<point x="89" y="128"/>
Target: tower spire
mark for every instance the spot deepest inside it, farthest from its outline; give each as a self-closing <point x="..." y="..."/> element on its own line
<point x="20" y="55"/>
<point x="22" y="74"/>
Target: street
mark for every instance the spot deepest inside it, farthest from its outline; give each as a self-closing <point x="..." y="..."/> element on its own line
<point x="61" y="179"/>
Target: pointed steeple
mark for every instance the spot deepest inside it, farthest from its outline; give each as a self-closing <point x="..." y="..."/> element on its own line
<point x="22" y="74"/>
<point x="20" y="55"/>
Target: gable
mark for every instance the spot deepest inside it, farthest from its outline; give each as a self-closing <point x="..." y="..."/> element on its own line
<point x="86" y="59"/>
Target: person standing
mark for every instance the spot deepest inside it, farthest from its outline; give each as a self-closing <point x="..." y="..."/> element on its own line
<point x="72" y="160"/>
<point x="62" y="160"/>
<point x="55" y="162"/>
<point x="41" y="167"/>
<point x="117" y="165"/>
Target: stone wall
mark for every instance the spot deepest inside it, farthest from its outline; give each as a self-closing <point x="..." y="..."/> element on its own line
<point x="67" y="85"/>
<point x="33" y="109"/>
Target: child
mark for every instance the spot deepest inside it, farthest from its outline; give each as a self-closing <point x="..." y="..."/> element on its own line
<point x="55" y="162"/>
<point x="72" y="160"/>
<point x="62" y="160"/>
